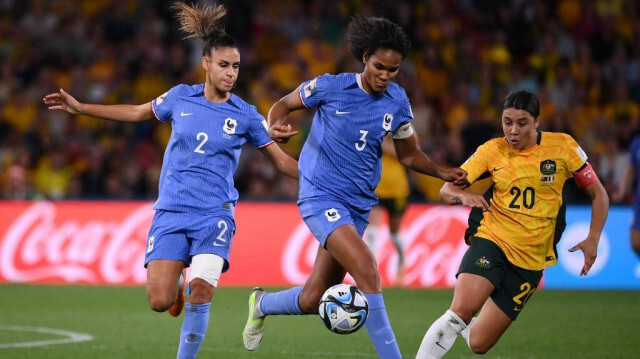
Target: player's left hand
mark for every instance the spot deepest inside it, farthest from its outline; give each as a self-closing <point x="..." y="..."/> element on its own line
<point x="281" y="133"/>
<point x="590" y="249"/>
<point x="456" y="175"/>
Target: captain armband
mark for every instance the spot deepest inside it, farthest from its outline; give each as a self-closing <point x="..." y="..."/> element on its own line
<point x="585" y="176"/>
<point x="403" y="131"/>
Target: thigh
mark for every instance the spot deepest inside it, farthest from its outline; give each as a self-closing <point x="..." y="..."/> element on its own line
<point x="347" y="247"/>
<point x="470" y="294"/>
<point x="491" y="323"/>
<point x="162" y="276"/>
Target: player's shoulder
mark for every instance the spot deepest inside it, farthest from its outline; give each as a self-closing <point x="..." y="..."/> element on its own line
<point x="396" y="92"/>
<point x="244" y="107"/>
<point x="495" y="144"/>
<point x="557" y="139"/>
<point x="339" y="81"/>
<point x="187" y="90"/>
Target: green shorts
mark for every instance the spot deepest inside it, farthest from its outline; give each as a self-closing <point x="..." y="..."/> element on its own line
<point x="513" y="285"/>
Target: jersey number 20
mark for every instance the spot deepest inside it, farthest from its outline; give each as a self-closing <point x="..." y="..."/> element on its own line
<point x="528" y="197"/>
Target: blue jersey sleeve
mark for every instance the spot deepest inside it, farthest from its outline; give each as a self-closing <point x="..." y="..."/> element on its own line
<point x="405" y="115"/>
<point x="313" y="92"/>
<point x="162" y="106"/>
<point x="257" y="132"/>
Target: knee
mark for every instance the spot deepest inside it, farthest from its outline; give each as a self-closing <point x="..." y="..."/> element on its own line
<point x="200" y="291"/>
<point x="480" y="345"/>
<point x="466" y="314"/>
<point x="158" y="301"/>
<point x="367" y="277"/>
<point x="479" y="348"/>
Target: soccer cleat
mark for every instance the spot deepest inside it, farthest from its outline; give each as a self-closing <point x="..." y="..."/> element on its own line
<point x="177" y="306"/>
<point x="254" y="329"/>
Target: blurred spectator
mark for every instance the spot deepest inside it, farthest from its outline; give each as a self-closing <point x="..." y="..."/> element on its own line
<point x="582" y="57"/>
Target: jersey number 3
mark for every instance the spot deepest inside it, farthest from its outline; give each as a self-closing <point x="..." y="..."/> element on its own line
<point x="362" y="142"/>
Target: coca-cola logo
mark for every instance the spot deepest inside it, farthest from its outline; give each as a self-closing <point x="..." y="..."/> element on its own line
<point x="433" y="248"/>
<point x="43" y="245"/>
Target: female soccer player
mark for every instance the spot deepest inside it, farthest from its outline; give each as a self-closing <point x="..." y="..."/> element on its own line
<point x="513" y="239"/>
<point x="339" y="170"/>
<point x="193" y="224"/>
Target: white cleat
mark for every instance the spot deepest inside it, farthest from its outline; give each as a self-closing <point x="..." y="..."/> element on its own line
<point x="254" y="329"/>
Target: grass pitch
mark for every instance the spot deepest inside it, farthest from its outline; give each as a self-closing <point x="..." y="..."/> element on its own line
<point x="73" y="322"/>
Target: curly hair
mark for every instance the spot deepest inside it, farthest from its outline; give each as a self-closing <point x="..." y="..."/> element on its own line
<point x="523" y="100"/>
<point x="203" y="22"/>
<point x="365" y="35"/>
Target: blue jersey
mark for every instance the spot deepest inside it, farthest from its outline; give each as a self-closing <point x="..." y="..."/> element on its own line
<point x="202" y="154"/>
<point x="341" y="155"/>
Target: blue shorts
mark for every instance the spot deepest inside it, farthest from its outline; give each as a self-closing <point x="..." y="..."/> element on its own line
<point x="326" y="213"/>
<point x="180" y="236"/>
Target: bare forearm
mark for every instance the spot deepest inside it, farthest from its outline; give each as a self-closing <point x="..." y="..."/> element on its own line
<point x="278" y="113"/>
<point x="599" y="212"/>
<point x="122" y="113"/>
<point x="422" y="164"/>
<point x="450" y="194"/>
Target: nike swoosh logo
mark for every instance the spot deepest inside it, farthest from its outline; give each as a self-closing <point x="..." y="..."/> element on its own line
<point x="389" y="341"/>
<point x="338" y="112"/>
<point x="185" y="114"/>
<point x="495" y="169"/>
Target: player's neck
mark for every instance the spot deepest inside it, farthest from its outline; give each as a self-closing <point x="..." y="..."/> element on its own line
<point x="212" y="94"/>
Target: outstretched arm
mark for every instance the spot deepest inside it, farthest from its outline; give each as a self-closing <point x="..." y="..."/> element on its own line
<point x="283" y="162"/>
<point x="454" y="194"/>
<point x="279" y="130"/>
<point x="124" y="113"/>
<point x="412" y="157"/>
<point x="599" y="212"/>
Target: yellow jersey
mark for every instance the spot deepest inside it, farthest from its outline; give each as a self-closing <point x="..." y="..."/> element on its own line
<point x="527" y="208"/>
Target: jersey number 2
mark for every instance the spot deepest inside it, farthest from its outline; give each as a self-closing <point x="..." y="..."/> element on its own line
<point x="205" y="138"/>
<point x="220" y="240"/>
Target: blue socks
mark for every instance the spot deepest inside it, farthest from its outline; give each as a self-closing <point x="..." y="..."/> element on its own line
<point x="194" y="328"/>
<point x="285" y="302"/>
<point x="379" y="328"/>
<point x="377" y="324"/>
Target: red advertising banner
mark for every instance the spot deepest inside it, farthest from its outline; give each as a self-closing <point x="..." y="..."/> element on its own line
<point x="104" y="243"/>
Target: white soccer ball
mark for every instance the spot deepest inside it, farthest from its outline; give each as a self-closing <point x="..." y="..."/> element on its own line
<point x="343" y="309"/>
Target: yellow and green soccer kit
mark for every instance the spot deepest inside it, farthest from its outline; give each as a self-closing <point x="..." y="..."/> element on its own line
<point x="527" y="209"/>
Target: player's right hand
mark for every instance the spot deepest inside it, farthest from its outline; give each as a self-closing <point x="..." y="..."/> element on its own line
<point x="281" y="133"/>
<point x="62" y="101"/>
<point x="474" y="201"/>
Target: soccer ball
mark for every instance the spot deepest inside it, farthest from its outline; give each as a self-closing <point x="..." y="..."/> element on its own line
<point x="343" y="309"/>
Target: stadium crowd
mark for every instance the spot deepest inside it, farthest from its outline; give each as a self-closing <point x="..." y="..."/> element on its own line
<point x="581" y="57"/>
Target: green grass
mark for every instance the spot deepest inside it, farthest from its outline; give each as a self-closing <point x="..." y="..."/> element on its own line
<point x="555" y="324"/>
